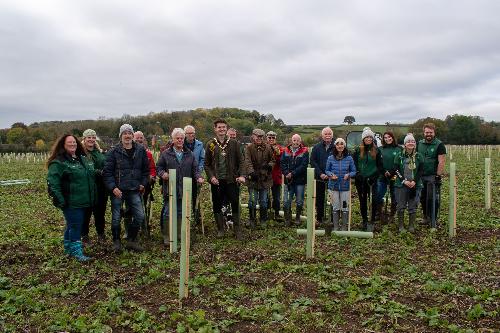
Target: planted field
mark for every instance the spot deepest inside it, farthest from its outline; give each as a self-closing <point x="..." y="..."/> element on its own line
<point x="425" y="282"/>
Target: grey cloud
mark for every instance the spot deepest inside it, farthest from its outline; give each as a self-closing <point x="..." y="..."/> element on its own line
<point x="304" y="62"/>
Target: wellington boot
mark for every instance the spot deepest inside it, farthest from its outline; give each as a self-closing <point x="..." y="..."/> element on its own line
<point x="164" y="234"/>
<point x="411" y="226"/>
<point x="117" y="246"/>
<point x="365" y="224"/>
<point x="401" y="221"/>
<point x="252" y="212"/>
<point x="133" y="245"/>
<point x="263" y="217"/>
<point x="288" y="217"/>
<point x="336" y="217"/>
<point x="379" y="213"/>
<point x="370" y="227"/>
<point x="297" y="216"/>
<point x="345" y="221"/>
<point x="76" y="251"/>
<point x="219" y="221"/>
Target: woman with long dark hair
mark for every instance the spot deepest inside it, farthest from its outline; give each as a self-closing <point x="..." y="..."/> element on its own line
<point x="390" y="150"/>
<point x="71" y="184"/>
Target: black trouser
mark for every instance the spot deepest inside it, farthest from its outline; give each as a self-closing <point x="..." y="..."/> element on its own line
<point x="320" y="199"/>
<point x="430" y="186"/>
<point x="276" y="193"/>
<point x="363" y="188"/>
<point x="225" y="192"/>
<point x="99" y="211"/>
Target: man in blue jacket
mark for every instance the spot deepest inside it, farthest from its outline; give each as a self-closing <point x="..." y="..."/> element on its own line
<point x="126" y="174"/>
<point x="319" y="155"/>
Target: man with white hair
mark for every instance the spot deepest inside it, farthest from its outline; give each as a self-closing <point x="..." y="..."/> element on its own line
<point x="182" y="159"/>
<point x="126" y="173"/>
<point x="319" y="155"/>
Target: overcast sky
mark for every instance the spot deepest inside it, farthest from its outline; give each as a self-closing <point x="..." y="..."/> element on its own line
<point x="307" y="62"/>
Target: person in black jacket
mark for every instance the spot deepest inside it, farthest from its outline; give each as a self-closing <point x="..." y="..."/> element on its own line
<point x="319" y="155"/>
<point x="126" y="174"/>
<point x="294" y="167"/>
<point x="180" y="158"/>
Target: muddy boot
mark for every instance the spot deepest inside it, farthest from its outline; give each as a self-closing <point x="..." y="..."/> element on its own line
<point x="288" y="217"/>
<point x="263" y="217"/>
<point x="411" y="226"/>
<point x="219" y="221"/>
<point x="297" y="216"/>
<point x="117" y="245"/>
<point x="132" y="243"/>
<point x="336" y="217"/>
<point x="345" y="221"/>
<point x="401" y="221"/>
<point x="237" y="227"/>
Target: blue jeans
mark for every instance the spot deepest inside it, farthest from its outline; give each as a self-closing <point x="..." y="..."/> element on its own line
<point x="133" y="199"/>
<point x="260" y="196"/>
<point x="290" y="192"/>
<point x="74" y="221"/>
<point x="382" y="184"/>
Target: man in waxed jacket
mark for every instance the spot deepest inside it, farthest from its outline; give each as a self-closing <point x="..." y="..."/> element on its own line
<point x="126" y="173"/>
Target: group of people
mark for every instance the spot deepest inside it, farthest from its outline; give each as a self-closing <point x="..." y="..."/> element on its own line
<point x="81" y="178"/>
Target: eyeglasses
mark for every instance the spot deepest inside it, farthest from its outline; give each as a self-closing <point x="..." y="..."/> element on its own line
<point x="271" y="137"/>
<point x="189" y="133"/>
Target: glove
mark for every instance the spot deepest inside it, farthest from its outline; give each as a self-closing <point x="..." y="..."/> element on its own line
<point x="438" y="180"/>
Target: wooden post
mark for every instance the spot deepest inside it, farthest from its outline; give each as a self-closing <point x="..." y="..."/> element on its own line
<point x="172" y="204"/>
<point x="487" y="176"/>
<point x="452" y="215"/>
<point x="185" y="237"/>
<point x="350" y="207"/>
<point x="311" y="197"/>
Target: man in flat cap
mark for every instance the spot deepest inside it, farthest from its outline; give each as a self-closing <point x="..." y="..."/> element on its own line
<point x="258" y="165"/>
<point x="126" y="174"/>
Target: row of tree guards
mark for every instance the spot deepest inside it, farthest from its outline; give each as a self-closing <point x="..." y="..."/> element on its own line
<point x="310" y="231"/>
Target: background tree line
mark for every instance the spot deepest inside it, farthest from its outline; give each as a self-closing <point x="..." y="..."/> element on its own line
<point x="39" y="136"/>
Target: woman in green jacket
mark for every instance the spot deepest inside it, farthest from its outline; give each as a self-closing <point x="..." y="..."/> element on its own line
<point x="369" y="166"/>
<point x="71" y="184"/>
<point x="94" y="152"/>
<point x="390" y="149"/>
<point x="409" y="167"/>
